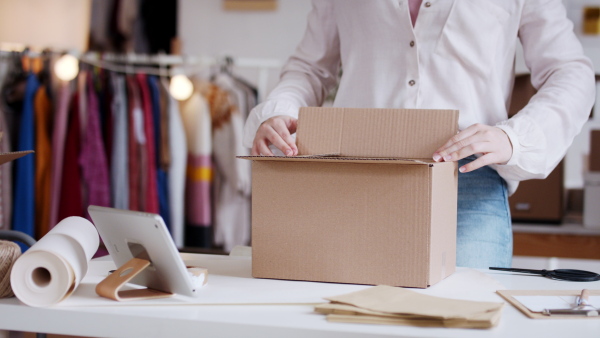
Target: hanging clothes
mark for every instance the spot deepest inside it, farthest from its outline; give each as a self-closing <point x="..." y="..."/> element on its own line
<point x="43" y="153"/>
<point x="151" y="191"/>
<point x="134" y="140"/>
<point x="92" y="158"/>
<point x="5" y="146"/>
<point x="159" y="135"/>
<point x="5" y="176"/>
<point x="24" y="196"/>
<point x="120" y="154"/>
<point x="70" y="188"/>
<point x="177" y="165"/>
<point x="233" y="204"/>
<point x="197" y="123"/>
<point x="59" y="135"/>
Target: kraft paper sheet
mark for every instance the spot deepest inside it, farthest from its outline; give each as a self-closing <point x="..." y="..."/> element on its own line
<point x="392" y="305"/>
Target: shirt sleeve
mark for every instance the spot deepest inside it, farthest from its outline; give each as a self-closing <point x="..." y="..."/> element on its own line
<point x="309" y="74"/>
<point x="544" y="129"/>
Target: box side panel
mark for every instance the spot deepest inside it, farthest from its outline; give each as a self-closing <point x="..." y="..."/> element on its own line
<point x="405" y="133"/>
<point x="340" y="222"/>
<point x="444" y="196"/>
<point x="319" y="131"/>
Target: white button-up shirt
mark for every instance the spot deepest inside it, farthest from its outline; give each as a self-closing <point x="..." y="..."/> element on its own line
<point x="459" y="55"/>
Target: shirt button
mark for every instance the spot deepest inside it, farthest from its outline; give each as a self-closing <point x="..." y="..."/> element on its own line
<point x="428" y="4"/>
<point x="411" y="82"/>
<point x="412" y="43"/>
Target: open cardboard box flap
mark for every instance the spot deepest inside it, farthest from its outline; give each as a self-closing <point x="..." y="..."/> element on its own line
<point x="7" y="157"/>
<point x="382" y="133"/>
<point x="365" y="135"/>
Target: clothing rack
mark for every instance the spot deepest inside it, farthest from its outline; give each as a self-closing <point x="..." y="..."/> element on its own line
<point x="168" y="63"/>
<point x="186" y="64"/>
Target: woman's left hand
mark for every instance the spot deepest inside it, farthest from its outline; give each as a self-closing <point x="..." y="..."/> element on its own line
<point x="491" y="142"/>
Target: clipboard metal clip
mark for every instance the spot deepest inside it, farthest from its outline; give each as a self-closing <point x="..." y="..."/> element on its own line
<point x="572" y="312"/>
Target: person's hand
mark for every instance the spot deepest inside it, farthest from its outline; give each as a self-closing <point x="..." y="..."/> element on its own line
<point x="277" y="131"/>
<point x="492" y="142"/>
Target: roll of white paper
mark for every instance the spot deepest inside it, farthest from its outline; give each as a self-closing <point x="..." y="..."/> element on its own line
<point x="53" y="267"/>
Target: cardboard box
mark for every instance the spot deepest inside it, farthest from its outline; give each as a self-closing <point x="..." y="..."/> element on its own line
<point x="540" y="200"/>
<point x="363" y="203"/>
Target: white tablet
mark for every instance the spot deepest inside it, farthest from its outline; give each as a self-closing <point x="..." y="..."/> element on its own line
<point x="127" y="234"/>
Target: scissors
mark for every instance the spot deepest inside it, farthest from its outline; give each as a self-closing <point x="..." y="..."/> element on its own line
<point x="559" y="274"/>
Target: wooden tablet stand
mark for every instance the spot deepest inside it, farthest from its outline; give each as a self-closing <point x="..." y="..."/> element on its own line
<point x="109" y="287"/>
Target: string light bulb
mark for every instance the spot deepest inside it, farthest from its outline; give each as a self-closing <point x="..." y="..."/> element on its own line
<point x="67" y="67"/>
<point x="180" y="87"/>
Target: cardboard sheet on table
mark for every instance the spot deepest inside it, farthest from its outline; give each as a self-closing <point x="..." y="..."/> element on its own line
<point x="230" y="282"/>
<point x="513" y="296"/>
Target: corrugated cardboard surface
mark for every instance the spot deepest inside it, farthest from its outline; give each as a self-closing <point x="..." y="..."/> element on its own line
<point x="348" y="222"/>
<point x="364" y="204"/>
<point x="338" y="159"/>
<point x="401" y="133"/>
<point x="444" y="201"/>
<point x="7" y="157"/>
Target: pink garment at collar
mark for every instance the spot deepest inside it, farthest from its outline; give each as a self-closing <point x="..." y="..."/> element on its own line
<point x="414" y="6"/>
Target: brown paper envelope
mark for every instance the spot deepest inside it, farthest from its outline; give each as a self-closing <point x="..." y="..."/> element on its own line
<point x="367" y="319"/>
<point x="342" y="309"/>
<point x="395" y="300"/>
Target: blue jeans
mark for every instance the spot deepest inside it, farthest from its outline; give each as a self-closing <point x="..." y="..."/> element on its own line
<point x="484" y="230"/>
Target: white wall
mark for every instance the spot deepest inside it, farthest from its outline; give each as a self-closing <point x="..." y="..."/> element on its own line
<point x="58" y="24"/>
<point x="576" y="159"/>
<point x="206" y="29"/>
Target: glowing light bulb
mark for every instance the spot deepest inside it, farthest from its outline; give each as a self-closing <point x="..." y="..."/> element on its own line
<point x="67" y="67"/>
<point x="180" y="87"/>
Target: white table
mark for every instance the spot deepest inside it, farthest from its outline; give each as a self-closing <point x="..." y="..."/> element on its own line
<point x="287" y="320"/>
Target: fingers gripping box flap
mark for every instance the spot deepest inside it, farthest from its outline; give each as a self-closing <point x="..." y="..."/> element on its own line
<point x="374" y="132"/>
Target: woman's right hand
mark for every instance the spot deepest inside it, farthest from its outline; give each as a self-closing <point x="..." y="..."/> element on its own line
<point x="278" y="131"/>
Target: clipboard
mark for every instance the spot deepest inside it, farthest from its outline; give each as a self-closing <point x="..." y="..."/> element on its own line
<point x="508" y="295"/>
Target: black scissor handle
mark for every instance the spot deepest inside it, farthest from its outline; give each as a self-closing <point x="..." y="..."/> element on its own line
<point x="561" y="274"/>
<point x="574" y="275"/>
<point x="538" y="272"/>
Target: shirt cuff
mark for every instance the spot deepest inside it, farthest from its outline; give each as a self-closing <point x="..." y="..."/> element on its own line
<point x="265" y="111"/>
<point x="514" y="141"/>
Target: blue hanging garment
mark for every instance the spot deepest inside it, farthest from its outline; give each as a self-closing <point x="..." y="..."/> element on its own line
<point x="24" y="188"/>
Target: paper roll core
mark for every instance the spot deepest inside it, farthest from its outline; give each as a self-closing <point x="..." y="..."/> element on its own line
<point x="41" y="277"/>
